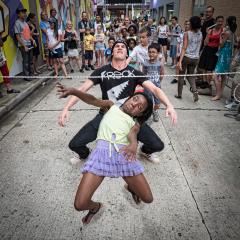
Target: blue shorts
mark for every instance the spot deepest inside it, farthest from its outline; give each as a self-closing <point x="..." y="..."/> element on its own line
<point x="88" y="55"/>
<point x="100" y="46"/>
<point x="173" y="51"/>
<point x="57" y="53"/>
<point x="155" y="100"/>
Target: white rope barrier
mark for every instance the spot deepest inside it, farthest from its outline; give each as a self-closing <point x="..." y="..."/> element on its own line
<point x="121" y="76"/>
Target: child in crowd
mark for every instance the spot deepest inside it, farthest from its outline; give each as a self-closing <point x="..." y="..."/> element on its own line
<point x="108" y="51"/>
<point x="140" y="52"/>
<point x="5" y="72"/>
<point x="131" y="42"/>
<point x="115" y="152"/>
<point x="154" y="69"/>
<point x="88" y="47"/>
<point x="99" y="46"/>
<point x="132" y="30"/>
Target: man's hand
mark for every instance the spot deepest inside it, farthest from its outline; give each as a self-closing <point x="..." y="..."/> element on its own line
<point x="129" y="152"/>
<point x="172" y="113"/>
<point x="63" y="117"/>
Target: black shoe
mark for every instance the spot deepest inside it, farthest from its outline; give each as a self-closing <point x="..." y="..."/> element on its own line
<point x="28" y="79"/>
<point x="179" y="97"/>
<point x="72" y="71"/>
<point x="1" y="95"/>
<point x="184" y="83"/>
<point x="81" y="70"/>
<point x="87" y="68"/>
<point x="12" y="91"/>
<point x="174" y="81"/>
<point x="195" y="96"/>
<point x="204" y="85"/>
<point x="92" y="67"/>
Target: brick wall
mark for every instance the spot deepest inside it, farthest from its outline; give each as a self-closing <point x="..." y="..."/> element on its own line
<point x="222" y="7"/>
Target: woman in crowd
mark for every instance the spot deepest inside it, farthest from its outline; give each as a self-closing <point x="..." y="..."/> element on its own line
<point x="70" y="38"/>
<point x="55" y="47"/>
<point x="189" y="56"/>
<point x="225" y="54"/>
<point x="31" y="20"/>
<point x="99" y="46"/>
<point x="162" y="32"/>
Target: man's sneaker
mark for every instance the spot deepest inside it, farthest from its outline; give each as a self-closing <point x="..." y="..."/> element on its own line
<point x="150" y="157"/>
<point x="75" y="160"/>
<point x="155" y="116"/>
<point x="174" y="81"/>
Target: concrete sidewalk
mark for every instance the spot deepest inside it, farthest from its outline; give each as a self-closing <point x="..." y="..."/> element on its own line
<point x="196" y="185"/>
<point x="9" y="101"/>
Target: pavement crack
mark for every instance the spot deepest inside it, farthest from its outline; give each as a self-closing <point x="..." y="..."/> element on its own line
<point x="189" y="187"/>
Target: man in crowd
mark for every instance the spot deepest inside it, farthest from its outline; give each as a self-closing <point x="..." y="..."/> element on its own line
<point x="25" y="42"/>
<point x="82" y="25"/>
<point x="118" y="82"/>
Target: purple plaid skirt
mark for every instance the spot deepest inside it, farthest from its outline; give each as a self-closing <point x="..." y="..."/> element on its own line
<point x="103" y="163"/>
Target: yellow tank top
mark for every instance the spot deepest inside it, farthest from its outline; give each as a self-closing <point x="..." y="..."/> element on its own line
<point x="115" y="123"/>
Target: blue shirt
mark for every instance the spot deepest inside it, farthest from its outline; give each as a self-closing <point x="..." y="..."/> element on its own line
<point x="44" y="25"/>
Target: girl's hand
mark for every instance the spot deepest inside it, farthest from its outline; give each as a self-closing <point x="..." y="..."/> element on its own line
<point x="63" y="92"/>
<point x="129" y="152"/>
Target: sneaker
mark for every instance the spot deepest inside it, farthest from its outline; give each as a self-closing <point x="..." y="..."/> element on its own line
<point x="173" y="66"/>
<point x="195" y="96"/>
<point x="72" y="71"/>
<point x="184" y="82"/>
<point x="155" y="116"/>
<point x="87" y="68"/>
<point x="92" y="67"/>
<point x="75" y="160"/>
<point x="231" y="106"/>
<point x="174" y="81"/>
<point x="81" y="70"/>
<point x="12" y="91"/>
<point x="150" y="157"/>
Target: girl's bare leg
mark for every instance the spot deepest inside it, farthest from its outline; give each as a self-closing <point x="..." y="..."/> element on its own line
<point x="140" y="187"/>
<point x="218" y="84"/>
<point x="61" y="61"/>
<point x="83" y="199"/>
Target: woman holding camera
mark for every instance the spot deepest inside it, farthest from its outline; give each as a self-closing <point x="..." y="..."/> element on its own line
<point x="70" y="39"/>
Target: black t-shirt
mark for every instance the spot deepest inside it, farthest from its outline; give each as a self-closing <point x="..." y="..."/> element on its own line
<point x="117" y="86"/>
<point x="206" y="25"/>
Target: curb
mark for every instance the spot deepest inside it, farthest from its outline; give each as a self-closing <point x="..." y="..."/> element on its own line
<point x="22" y="95"/>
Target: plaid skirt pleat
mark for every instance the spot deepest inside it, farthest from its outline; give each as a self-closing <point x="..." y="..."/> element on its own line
<point x="101" y="163"/>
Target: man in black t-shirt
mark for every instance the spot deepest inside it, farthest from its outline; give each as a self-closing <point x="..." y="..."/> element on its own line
<point x="117" y="82"/>
<point x="82" y="25"/>
<point x="208" y="22"/>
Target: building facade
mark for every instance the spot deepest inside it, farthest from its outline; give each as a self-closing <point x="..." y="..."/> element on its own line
<point x="184" y="9"/>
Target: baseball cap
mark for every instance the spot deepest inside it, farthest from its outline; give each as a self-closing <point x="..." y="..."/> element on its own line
<point x="21" y="10"/>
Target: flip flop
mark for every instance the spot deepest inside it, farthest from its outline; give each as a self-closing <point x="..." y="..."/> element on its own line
<point x="87" y="219"/>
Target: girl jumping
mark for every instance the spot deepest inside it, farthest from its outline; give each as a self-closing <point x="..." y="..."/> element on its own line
<point x="115" y="152"/>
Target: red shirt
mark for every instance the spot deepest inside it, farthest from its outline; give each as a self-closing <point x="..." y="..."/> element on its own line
<point x="214" y="39"/>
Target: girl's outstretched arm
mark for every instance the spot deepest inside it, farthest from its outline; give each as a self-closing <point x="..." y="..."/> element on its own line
<point x="85" y="97"/>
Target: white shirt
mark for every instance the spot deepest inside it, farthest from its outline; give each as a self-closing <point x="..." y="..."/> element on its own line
<point x="140" y="53"/>
<point x="52" y="40"/>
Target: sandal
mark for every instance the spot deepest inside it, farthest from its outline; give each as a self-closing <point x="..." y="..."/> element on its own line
<point x="135" y="197"/>
<point x="87" y="219"/>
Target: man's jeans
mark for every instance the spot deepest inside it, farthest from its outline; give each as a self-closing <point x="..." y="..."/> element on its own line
<point x="151" y="142"/>
<point x="27" y="61"/>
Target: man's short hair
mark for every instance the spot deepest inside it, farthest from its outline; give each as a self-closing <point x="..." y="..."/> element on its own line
<point x="210" y="7"/>
<point x="174" y="17"/>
